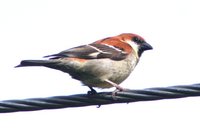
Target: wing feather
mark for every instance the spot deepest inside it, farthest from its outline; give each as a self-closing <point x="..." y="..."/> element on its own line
<point x="91" y="51"/>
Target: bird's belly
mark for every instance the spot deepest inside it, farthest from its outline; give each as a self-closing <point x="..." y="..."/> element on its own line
<point x="97" y="71"/>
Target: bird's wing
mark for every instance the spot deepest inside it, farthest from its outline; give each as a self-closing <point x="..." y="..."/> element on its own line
<point x="92" y="51"/>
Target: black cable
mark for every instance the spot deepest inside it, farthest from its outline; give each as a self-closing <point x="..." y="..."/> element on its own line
<point x="102" y="98"/>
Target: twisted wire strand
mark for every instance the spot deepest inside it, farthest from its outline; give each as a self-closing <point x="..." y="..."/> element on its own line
<point x="102" y="98"/>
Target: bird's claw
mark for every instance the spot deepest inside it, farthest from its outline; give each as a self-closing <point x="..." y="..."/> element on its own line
<point x="92" y="92"/>
<point x="114" y="93"/>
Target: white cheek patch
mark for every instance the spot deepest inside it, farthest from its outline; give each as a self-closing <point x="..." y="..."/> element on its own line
<point x="133" y="45"/>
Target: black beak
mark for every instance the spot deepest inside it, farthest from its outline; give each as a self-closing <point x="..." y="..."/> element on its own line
<point x="143" y="47"/>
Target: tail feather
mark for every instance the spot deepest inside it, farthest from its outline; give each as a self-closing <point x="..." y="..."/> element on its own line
<point x="25" y="63"/>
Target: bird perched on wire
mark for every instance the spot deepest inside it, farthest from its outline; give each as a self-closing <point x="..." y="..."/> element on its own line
<point x="104" y="63"/>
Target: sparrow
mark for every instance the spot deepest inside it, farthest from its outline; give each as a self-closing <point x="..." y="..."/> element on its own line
<point x="103" y="64"/>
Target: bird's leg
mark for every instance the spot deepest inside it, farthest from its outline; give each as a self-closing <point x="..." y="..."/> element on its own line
<point x="118" y="88"/>
<point x="92" y="92"/>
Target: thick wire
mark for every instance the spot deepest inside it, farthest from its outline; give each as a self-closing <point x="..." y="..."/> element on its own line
<point x="99" y="99"/>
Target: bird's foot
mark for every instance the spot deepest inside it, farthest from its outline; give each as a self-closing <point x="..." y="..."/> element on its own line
<point x="92" y="91"/>
<point x="118" y="89"/>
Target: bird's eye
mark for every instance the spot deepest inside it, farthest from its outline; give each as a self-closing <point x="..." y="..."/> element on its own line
<point x="136" y="39"/>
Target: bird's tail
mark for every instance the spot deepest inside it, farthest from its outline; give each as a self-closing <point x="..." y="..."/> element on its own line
<point x="26" y="63"/>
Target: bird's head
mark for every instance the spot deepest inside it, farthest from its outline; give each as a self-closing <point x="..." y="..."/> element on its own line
<point x="138" y="43"/>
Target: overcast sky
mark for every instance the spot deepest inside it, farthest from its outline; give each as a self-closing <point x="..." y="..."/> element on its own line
<point x="33" y="29"/>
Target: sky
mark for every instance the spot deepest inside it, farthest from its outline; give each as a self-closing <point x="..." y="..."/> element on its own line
<point x="33" y="29"/>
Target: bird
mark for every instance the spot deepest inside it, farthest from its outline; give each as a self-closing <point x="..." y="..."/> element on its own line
<point x="104" y="63"/>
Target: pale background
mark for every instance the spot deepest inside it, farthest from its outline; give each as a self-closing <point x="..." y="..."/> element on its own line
<point x="32" y="29"/>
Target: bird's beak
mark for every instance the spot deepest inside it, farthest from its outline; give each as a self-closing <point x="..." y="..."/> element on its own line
<point x="146" y="46"/>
